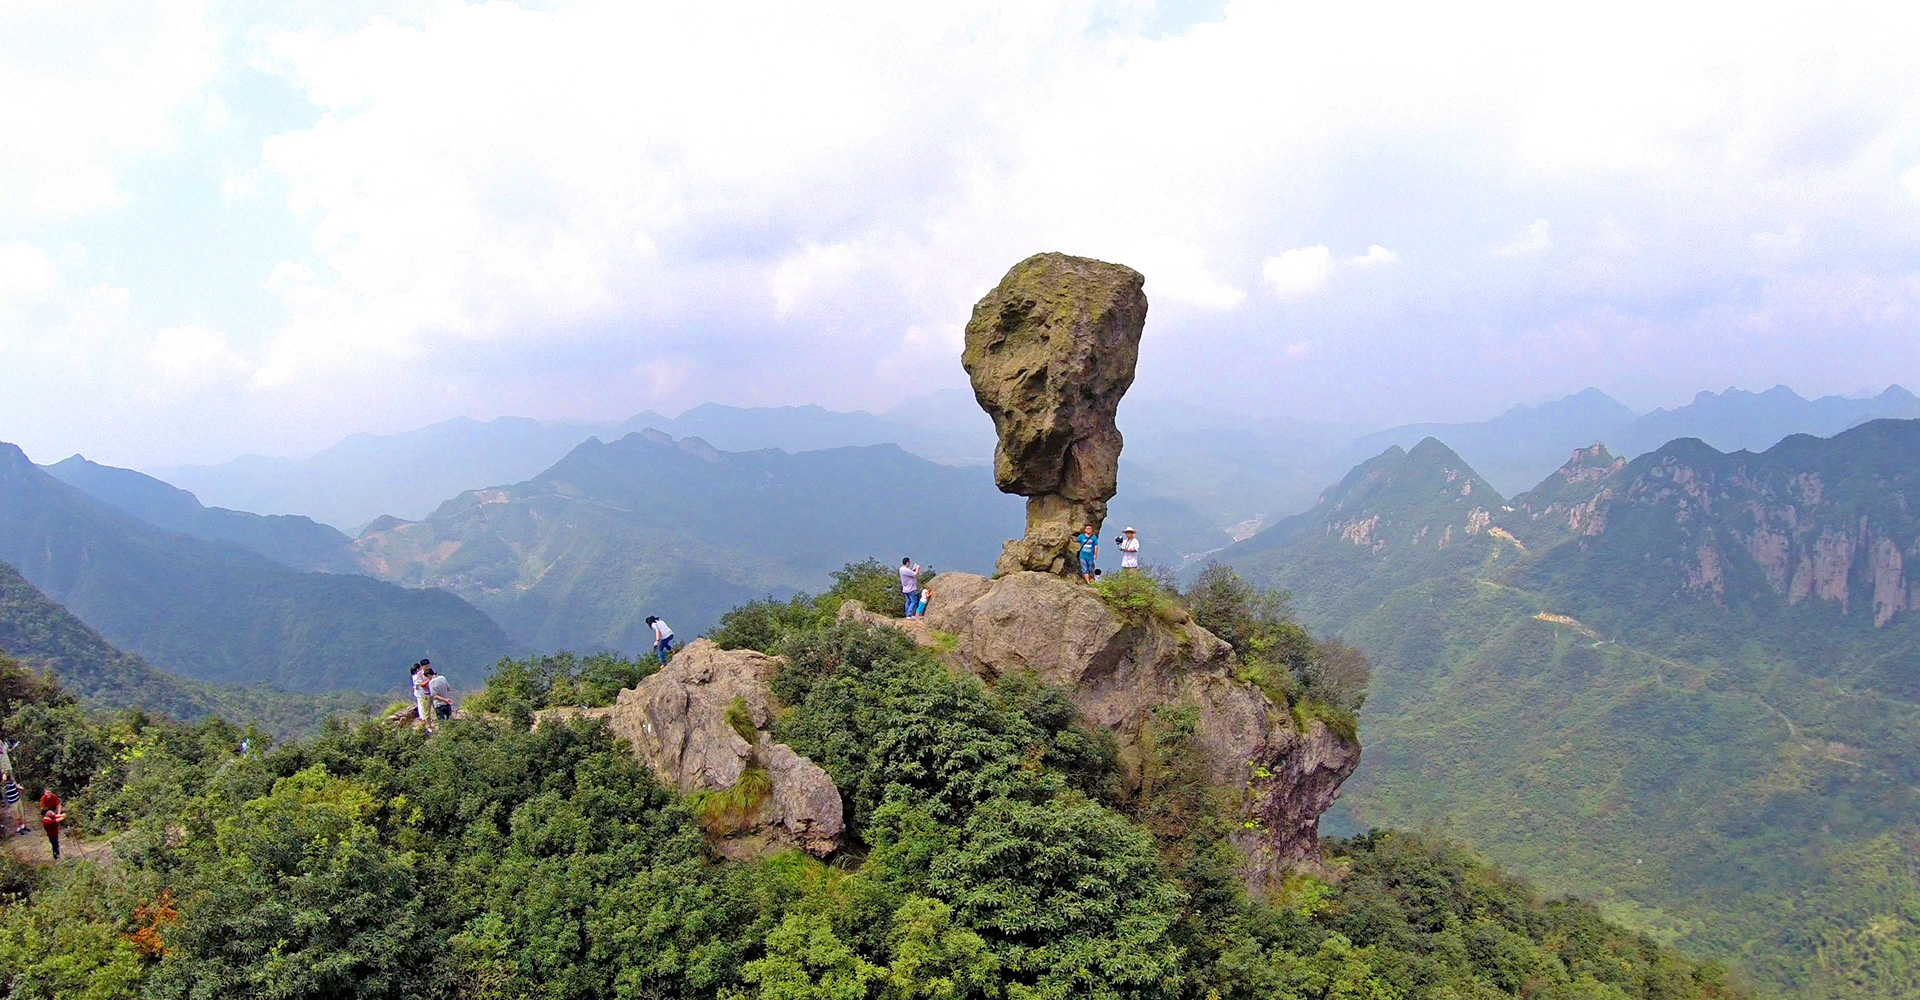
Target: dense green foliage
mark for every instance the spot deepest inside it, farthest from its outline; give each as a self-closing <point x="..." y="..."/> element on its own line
<point x="765" y="625"/>
<point x="1575" y="689"/>
<point x="216" y="612"/>
<point x="518" y="688"/>
<point x="991" y="858"/>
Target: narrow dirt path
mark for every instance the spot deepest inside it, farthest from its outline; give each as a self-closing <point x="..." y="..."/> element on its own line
<point x="32" y="847"/>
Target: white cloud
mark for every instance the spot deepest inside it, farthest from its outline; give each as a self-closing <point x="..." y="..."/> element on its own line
<point x="628" y="203"/>
<point x="1536" y="238"/>
<point x="90" y="88"/>
<point x="26" y="274"/>
<point x="1376" y="254"/>
<point x="1300" y="272"/>
<point x="195" y="356"/>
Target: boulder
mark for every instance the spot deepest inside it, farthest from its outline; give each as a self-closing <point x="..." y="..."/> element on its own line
<point x="1050" y="352"/>
<point x="678" y="723"/>
<point x="1121" y="673"/>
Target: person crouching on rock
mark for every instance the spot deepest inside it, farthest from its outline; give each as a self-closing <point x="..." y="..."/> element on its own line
<point x="51" y="816"/>
<point x="1089" y="551"/>
<point x="441" y="693"/>
<point x="662" y="638"/>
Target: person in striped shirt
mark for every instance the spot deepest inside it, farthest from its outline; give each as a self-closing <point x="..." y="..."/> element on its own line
<point x="10" y="792"/>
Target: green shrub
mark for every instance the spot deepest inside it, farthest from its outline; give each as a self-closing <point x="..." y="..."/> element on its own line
<point x="518" y="688"/>
<point x="764" y="625"/>
<point x="1137" y="599"/>
<point x="1276" y="653"/>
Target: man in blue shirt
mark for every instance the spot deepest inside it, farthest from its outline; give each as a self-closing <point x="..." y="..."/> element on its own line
<point x="1089" y="551"/>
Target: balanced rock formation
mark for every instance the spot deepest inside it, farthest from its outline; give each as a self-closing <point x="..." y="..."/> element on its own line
<point x="700" y="723"/>
<point x="1123" y="674"/>
<point x="1050" y="352"/>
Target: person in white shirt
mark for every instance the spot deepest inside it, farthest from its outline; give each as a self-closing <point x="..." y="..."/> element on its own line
<point x="1130" y="551"/>
<point x="910" y="584"/>
<point x="422" y="698"/>
<point x="662" y="638"/>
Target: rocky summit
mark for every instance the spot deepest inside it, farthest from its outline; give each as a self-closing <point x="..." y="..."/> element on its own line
<point x="1050" y="351"/>
<point x="700" y="723"/>
<point x="1135" y="675"/>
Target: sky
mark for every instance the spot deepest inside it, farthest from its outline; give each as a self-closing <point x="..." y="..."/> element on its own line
<point x="259" y="226"/>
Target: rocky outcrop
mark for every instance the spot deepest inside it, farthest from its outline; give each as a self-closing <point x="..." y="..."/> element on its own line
<point x="701" y="724"/>
<point x="1122" y="674"/>
<point x="1050" y="351"/>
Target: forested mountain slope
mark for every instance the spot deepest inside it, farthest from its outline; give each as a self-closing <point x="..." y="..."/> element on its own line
<point x="1683" y="685"/>
<point x="49" y="640"/>
<point x="578" y="556"/>
<point x="217" y="612"/>
<point x="291" y="540"/>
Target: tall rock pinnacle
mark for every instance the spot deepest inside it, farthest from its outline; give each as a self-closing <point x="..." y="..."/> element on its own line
<point x="1050" y="351"/>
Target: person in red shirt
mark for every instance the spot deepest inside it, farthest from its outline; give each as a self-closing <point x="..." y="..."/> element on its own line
<point x="50" y="819"/>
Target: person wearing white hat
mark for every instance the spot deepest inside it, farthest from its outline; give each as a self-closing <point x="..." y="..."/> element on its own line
<point x="1130" y="551"/>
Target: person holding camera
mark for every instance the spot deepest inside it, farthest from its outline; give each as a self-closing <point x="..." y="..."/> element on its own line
<point x="1129" y="551"/>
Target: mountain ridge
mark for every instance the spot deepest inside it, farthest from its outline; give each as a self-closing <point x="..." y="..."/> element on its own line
<point x="217" y="611"/>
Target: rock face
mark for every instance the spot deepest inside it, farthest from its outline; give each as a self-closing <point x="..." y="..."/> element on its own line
<point x="1122" y="674"/>
<point x="677" y="721"/>
<point x="1050" y="351"/>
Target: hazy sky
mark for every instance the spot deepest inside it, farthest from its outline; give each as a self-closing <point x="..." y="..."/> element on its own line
<point x="258" y="226"/>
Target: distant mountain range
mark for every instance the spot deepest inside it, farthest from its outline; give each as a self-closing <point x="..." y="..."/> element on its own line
<point x="1685" y="684"/>
<point x="1236" y="472"/>
<point x="576" y="557"/>
<point x="1520" y="447"/>
<point x="218" y="611"/>
<point x="288" y="539"/>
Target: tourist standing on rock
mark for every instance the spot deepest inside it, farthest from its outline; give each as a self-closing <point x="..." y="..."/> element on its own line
<point x="909" y="583"/>
<point x="1089" y="551"/>
<point x="1129" y="551"/>
<point x="920" y="608"/>
<point x="441" y="693"/>
<point x="51" y="817"/>
<point x="422" y="698"/>
<point x="662" y="638"/>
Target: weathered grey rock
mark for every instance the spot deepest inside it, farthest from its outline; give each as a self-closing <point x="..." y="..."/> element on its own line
<point x="1050" y="351"/>
<point x="1118" y="673"/>
<point x="677" y="723"/>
